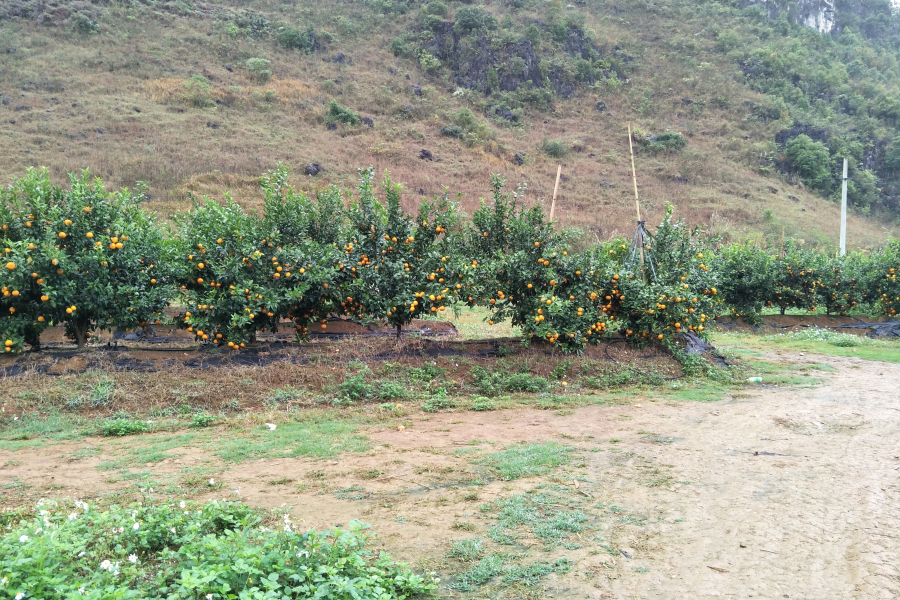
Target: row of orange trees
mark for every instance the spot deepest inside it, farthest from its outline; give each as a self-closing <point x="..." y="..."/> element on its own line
<point x="795" y="278"/>
<point x="92" y="259"/>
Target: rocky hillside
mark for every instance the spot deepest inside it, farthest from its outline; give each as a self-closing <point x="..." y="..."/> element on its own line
<point x="743" y="111"/>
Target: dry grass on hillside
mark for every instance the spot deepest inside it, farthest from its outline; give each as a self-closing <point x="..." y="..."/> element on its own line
<point x="119" y="103"/>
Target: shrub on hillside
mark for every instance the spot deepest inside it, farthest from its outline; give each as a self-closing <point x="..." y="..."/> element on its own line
<point x="339" y="114"/>
<point x="555" y="149"/>
<point x="259" y="68"/>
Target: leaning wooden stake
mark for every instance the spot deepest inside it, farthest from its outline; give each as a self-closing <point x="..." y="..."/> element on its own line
<point x="637" y="203"/>
<point x="555" y="189"/>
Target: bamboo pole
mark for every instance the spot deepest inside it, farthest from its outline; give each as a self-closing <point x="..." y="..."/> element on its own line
<point x="637" y="203"/>
<point x="555" y="190"/>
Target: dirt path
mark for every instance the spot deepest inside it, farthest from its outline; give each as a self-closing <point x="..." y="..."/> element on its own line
<point x="772" y="493"/>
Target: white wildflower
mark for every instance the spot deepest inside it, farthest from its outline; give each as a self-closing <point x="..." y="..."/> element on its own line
<point x="182" y="504"/>
<point x="73" y="516"/>
<point x="209" y="597"/>
<point x="23" y="539"/>
<point x="106" y="564"/>
<point x="212" y="482"/>
<point x="20" y="595"/>
<point x="80" y="554"/>
<point x="303" y="554"/>
<point x="132" y="558"/>
<point x="271" y="426"/>
<point x="136" y="526"/>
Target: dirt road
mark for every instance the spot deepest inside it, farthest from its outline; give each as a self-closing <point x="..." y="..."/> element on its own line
<point x="771" y="493"/>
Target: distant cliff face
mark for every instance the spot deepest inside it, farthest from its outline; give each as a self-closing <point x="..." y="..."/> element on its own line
<point x="827" y="16"/>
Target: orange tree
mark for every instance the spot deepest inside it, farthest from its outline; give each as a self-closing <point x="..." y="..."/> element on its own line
<point x="841" y="285"/>
<point x="682" y="297"/>
<point x="90" y="258"/>
<point x="884" y="281"/>
<point x="314" y="232"/>
<point x="404" y="268"/>
<point x="527" y="274"/>
<point x="797" y="277"/>
<point x="746" y="280"/>
<point x="243" y="273"/>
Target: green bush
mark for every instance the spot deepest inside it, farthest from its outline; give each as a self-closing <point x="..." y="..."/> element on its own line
<point x="198" y="92"/>
<point x="189" y="551"/>
<point x="811" y="160"/>
<point x="294" y="39"/>
<point x="471" y="19"/>
<point x="339" y="114"/>
<point x="259" y="68"/>
<point x="668" y="141"/>
<point x="436" y="8"/>
<point x="555" y="148"/>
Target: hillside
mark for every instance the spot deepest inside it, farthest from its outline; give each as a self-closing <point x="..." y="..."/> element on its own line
<point x="743" y="112"/>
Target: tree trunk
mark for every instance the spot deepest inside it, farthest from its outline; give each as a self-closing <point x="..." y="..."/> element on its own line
<point x="80" y="328"/>
<point x="399" y="328"/>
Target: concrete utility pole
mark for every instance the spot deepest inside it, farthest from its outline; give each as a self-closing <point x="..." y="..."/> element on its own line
<point x="844" y="211"/>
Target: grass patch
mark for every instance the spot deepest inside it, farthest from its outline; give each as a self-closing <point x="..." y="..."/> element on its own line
<point x="818" y="341"/>
<point x="190" y="551"/>
<point x="468" y="550"/>
<point x="525" y="460"/>
<point x="29" y="431"/>
<point x="479" y="574"/>
<point x="153" y="450"/>
<point x="547" y="516"/>
<point x="318" y="439"/>
<point x="529" y="575"/>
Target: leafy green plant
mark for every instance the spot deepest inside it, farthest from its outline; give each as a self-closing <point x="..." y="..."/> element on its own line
<point x="123" y="427"/>
<point x="203" y="420"/>
<point x="186" y="550"/>
<point x="481" y="403"/>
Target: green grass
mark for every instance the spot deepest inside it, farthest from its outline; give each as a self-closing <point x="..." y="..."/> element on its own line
<point x="316" y="439"/>
<point x="814" y="340"/>
<point x="149" y="450"/>
<point x="530" y="575"/>
<point x="479" y="574"/>
<point x="467" y="550"/>
<point x="29" y="431"/>
<point x="544" y="514"/>
<point x="526" y="460"/>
